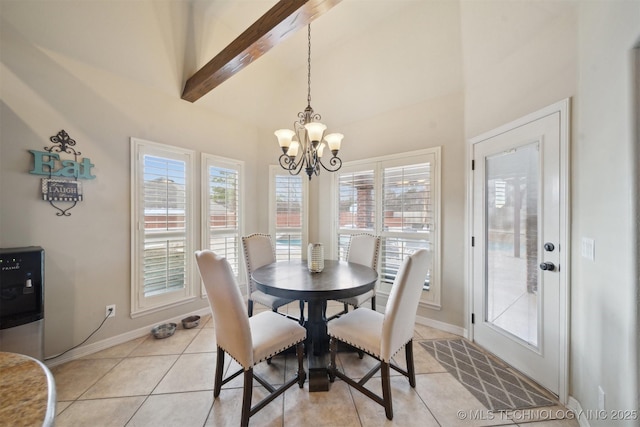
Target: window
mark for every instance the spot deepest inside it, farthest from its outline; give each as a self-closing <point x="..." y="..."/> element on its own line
<point x="222" y="207"/>
<point x="287" y="213"/>
<point x="162" y="226"/>
<point x="396" y="197"/>
<point x="356" y="206"/>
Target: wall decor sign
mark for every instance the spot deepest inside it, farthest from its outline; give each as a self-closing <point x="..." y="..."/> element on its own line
<point x="62" y="184"/>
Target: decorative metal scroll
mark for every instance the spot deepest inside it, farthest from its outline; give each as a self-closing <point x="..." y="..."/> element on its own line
<point x="62" y="184"/>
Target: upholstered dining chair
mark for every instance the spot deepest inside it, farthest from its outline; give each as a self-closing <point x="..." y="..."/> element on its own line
<point x="383" y="335"/>
<point x="248" y="340"/>
<point x="259" y="251"/>
<point x="363" y="249"/>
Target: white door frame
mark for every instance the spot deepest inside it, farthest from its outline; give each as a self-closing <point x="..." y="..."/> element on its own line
<point x="563" y="107"/>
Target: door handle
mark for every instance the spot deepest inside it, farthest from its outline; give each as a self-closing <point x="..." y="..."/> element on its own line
<point x="547" y="266"/>
<point x="549" y="247"/>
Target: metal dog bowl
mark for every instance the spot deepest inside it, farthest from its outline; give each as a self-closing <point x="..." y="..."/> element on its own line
<point x="190" y="322"/>
<point x="164" y="331"/>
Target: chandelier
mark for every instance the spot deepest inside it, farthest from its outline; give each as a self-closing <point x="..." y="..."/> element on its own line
<point x="306" y="151"/>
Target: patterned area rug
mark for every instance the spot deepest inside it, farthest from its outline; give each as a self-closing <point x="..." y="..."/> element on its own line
<point x="492" y="382"/>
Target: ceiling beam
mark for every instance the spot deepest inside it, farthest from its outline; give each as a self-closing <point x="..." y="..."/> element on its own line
<point x="278" y="23"/>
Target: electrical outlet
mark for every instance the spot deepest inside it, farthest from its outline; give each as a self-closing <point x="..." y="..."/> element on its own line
<point x="111" y="308"/>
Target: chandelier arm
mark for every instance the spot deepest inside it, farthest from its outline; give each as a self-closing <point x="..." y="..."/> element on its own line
<point x="289" y="164"/>
<point x="286" y="162"/>
<point x="335" y="163"/>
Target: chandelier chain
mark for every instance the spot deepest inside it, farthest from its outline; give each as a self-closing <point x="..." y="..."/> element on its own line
<point x="309" y="65"/>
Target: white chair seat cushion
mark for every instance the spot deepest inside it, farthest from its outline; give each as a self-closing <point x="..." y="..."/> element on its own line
<point x="358" y="300"/>
<point x="269" y="300"/>
<point x="361" y="328"/>
<point x="272" y="333"/>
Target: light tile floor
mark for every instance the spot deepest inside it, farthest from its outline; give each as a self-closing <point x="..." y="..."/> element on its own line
<point x="169" y="382"/>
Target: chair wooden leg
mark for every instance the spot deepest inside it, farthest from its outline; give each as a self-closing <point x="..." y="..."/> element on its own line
<point x="250" y="307"/>
<point x="219" y="370"/>
<point x="333" y="349"/>
<point x="386" y="389"/>
<point x="246" y="397"/>
<point x="346" y="308"/>
<point x="408" y="350"/>
<point x="373" y="303"/>
<point x="301" y="374"/>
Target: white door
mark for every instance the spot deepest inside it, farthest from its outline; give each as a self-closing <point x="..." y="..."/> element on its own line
<point x="519" y="253"/>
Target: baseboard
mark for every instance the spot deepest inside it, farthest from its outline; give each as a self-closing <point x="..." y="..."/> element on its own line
<point x="97" y="346"/>
<point x="381" y="297"/>
<point x="447" y="327"/>
<point x="574" y="406"/>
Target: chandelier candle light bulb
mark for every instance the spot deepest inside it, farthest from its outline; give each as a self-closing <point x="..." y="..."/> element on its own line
<point x="315" y="131"/>
<point x="292" y="152"/>
<point x="284" y="138"/>
<point x="333" y="141"/>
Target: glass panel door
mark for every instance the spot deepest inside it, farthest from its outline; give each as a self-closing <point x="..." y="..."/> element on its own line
<point x="511" y="230"/>
<point x="519" y="245"/>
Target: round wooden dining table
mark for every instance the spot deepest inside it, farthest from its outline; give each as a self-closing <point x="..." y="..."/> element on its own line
<point x="293" y="280"/>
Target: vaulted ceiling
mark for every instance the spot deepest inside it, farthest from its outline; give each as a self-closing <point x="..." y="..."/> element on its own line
<point x="368" y="56"/>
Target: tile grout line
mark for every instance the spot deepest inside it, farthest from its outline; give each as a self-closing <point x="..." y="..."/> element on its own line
<point x="162" y="378"/>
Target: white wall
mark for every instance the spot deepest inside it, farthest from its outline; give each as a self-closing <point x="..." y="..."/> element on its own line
<point x="53" y="80"/>
<point x="604" y="333"/>
<point x="519" y="56"/>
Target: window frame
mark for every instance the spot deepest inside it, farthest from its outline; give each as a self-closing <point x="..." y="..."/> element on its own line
<point x="207" y="161"/>
<point x="141" y="305"/>
<point x="275" y="170"/>
<point x="429" y="298"/>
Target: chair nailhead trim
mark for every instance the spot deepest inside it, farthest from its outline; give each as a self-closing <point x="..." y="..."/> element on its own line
<point x="275" y="353"/>
<point x="367" y="351"/>
<point x="255" y="362"/>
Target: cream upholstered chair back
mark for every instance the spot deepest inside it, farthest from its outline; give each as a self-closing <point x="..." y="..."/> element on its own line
<point x="402" y="305"/>
<point x="258" y="251"/>
<point x="364" y="249"/>
<point x="233" y="334"/>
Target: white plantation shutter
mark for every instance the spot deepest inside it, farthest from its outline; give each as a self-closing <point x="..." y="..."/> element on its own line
<point x="288" y="216"/>
<point x="162" y="211"/>
<point x="356" y="206"/>
<point x="407" y="197"/>
<point x="408" y="216"/>
<point x="397" y="198"/>
<point x="164" y="225"/>
<point x="221" y="203"/>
